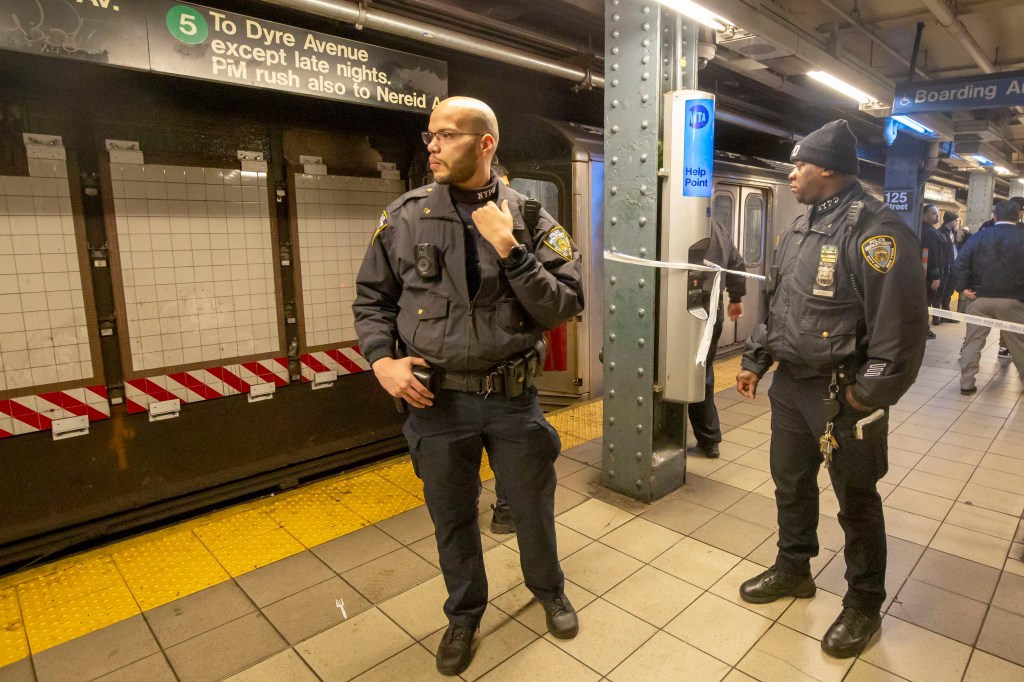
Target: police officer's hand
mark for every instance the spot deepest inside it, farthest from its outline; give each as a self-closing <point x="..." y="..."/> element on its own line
<point x="970" y="294"/>
<point x="495" y="225"/>
<point x="734" y="311"/>
<point x="397" y="379"/>
<point x="746" y="383"/>
<point x="935" y="284"/>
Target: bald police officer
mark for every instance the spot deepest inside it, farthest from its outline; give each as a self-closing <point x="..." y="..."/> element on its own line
<point x="455" y="287"/>
<point x="846" y="321"/>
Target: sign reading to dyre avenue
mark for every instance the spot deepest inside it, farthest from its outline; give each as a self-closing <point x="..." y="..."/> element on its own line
<point x="200" y="42"/>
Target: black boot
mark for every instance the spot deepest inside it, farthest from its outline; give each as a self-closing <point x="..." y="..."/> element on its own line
<point x="455" y="652"/>
<point x="502" y="522"/>
<point x="850" y="633"/>
<point x="561" y="617"/>
<point x="774" y="584"/>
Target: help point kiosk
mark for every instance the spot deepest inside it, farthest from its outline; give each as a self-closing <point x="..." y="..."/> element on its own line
<point x="689" y="137"/>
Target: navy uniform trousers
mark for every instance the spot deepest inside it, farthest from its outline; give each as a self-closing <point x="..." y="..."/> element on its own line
<point x="704" y="415"/>
<point x="445" y="442"/>
<point x="798" y="421"/>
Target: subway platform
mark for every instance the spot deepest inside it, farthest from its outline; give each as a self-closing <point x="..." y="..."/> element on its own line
<point x="339" y="580"/>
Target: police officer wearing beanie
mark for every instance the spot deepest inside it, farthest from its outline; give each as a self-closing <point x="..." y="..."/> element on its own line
<point x="456" y="288"/>
<point x="845" y="318"/>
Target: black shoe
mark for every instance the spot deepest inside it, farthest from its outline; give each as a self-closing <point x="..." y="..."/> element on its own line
<point x="930" y="335"/>
<point x="937" y="320"/>
<point x="561" y="617"/>
<point x="710" y="450"/>
<point x="502" y="522"/>
<point x="850" y="633"/>
<point x="774" y="584"/>
<point x="455" y="652"/>
<point x="1004" y="352"/>
<point x="969" y="391"/>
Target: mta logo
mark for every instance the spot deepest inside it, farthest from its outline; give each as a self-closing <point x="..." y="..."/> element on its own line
<point x="698" y="116"/>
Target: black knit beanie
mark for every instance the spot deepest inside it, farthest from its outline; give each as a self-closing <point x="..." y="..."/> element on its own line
<point x="832" y="146"/>
<point x="949" y="217"/>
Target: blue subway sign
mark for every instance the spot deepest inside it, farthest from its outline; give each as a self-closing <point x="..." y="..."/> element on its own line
<point x="698" y="147"/>
<point x="987" y="91"/>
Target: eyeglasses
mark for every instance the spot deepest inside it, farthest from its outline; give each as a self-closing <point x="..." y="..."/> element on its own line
<point x="443" y="137"/>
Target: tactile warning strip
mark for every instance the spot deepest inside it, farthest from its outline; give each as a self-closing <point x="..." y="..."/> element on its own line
<point x="52" y="604"/>
<point x="168" y="568"/>
<point x="13" y="641"/>
<point x="73" y="602"/>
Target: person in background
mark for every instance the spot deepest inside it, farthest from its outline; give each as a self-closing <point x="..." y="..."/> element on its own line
<point x="988" y="274"/>
<point x="946" y="232"/>
<point x="704" y="415"/>
<point x="502" y="522"/>
<point x="932" y="254"/>
<point x="845" y="317"/>
<point x="450" y="308"/>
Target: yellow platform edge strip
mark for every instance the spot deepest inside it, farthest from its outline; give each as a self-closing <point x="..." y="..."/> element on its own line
<point x="48" y="605"/>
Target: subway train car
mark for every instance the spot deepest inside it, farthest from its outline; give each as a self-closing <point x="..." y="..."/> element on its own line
<point x="178" y="260"/>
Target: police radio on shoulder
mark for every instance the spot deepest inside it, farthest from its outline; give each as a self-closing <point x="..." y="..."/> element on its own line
<point x="515" y="257"/>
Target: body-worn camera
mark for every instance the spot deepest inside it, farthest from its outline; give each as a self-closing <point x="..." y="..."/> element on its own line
<point x="428" y="261"/>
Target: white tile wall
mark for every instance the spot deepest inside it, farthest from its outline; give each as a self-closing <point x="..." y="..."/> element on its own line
<point x="43" y="334"/>
<point x="336" y="216"/>
<point x="197" y="263"/>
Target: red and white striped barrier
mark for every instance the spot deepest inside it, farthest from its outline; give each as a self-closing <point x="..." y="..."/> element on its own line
<point x="31" y="413"/>
<point x="204" y="384"/>
<point x="341" y="360"/>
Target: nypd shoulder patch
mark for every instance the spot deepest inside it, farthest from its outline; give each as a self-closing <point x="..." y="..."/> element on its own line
<point x="558" y="241"/>
<point x="380" y="226"/>
<point x="879" y="252"/>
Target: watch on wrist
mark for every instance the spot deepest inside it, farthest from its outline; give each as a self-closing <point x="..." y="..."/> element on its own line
<point x="515" y="257"/>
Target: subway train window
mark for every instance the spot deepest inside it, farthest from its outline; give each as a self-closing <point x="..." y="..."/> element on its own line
<point x="543" y="191"/>
<point x="722" y="210"/>
<point x="753" y="229"/>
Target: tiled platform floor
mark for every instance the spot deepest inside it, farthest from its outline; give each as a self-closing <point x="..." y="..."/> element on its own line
<point x="655" y="585"/>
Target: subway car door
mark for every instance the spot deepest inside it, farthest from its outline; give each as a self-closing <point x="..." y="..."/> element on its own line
<point x="559" y="384"/>
<point x="743" y="212"/>
<point x="753" y="228"/>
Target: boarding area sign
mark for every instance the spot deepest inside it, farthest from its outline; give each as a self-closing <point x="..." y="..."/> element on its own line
<point x="975" y="92"/>
<point x="200" y="42"/>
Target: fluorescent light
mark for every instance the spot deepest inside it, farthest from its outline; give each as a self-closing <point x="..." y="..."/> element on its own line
<point x="690" y="9"/>
<point x="981" y="159"/>
<point x="913" y="125"/>
<point x="842" y="86"/>
<point x="1003" y="171"/>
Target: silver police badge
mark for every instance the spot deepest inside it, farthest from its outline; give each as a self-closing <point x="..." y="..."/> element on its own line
<point x="826" y="275"/>
<point x="879" y="252"/>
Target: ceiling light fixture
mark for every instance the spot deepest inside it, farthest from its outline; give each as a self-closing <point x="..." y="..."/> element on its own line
<point x="914" y="125"/>
<point x="842" y="86"/>
<point x="692" y="10"/>
<point x="1003" y="171"/>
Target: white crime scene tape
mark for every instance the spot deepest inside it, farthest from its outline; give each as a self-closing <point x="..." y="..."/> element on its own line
<point x="707" y="266"/>
<point x="1001" y="325"/>
<point x="716" y="290"/>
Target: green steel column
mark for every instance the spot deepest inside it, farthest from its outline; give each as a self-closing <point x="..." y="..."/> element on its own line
<point x="645" y="55"/>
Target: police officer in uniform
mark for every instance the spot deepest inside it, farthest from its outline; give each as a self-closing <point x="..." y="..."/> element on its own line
<point x="452" y="299"/>
<point x="846" y="321"/>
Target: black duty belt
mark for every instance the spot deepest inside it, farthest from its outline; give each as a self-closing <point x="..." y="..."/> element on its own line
<point x="508" y="378"/>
